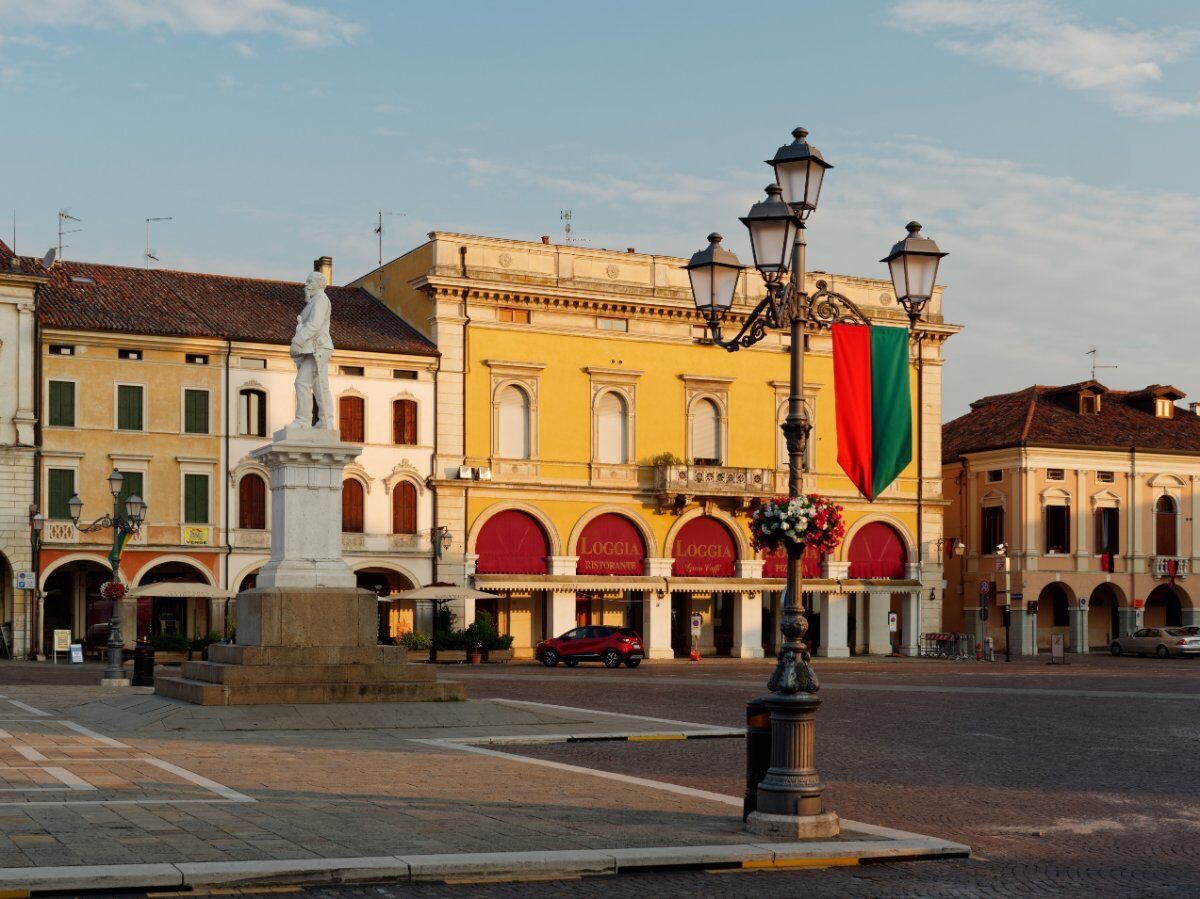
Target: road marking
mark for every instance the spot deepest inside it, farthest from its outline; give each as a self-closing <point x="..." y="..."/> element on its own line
<point x="37" y="713"/>
<point x="690" y="725"/>
<point x="220" y="789"/>
<point x="30" y="753"/>
<point x="99" y="738"/>
<point x="74" y="781"/>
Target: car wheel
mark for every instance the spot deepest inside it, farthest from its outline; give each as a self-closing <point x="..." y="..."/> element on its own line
<point x="612" y="659"/>
<point x="632" y="663"/>
<point x="1162" y="652"/>
<point x="549" y="658"/>
<point x="570" y="663"/>
<point x="1115" y="649"/>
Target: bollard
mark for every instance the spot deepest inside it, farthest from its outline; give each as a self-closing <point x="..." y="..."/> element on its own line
<point x="758" y="751"/>
<point x="143" y="666"/>
<point x="988" y="650"/>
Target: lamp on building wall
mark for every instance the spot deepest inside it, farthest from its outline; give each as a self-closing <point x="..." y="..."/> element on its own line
<point x="790" y="795"/>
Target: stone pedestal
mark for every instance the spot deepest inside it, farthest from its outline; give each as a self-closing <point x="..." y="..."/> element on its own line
<point x="306" y="633"/>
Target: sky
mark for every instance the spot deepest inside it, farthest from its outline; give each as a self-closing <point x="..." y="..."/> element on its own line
<point x="1047" y="145"/>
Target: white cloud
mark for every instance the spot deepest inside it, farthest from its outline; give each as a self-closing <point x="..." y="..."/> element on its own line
<point x="244" y="50"/>
<point x="1037" y="37"/>
<point x="297" y="23"/>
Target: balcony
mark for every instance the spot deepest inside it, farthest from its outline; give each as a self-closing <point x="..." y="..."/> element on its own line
<point x="678" y="485"/>
<point x="59" y="532"/>
<point x="1161" y="566"/>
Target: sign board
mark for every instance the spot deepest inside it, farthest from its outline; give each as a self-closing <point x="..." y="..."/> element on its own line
<point x="697" y="621"/>
<point x="1139" y="603"/>
<point x="62" y="641"/>
<point x="195" y="536"/>
<point x="1017" y="597"/>
<point x="1083" y="602"/>
<point x="76" y="653"/>
<point x="985" y="587"/>
<point x="1000" y="563"/>
<point x="24" y="580"/>
<point x="1056" y="648"/>
<point x="1031" y="607"/>
<point x="893" y="622"/>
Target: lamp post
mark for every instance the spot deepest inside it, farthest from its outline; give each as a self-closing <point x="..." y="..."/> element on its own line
<point x="37" y="521"/>
<point x="790" y="796"/>
<point x="124" y="522"/>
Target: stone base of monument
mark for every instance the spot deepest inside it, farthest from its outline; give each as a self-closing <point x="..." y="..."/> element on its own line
<point x="306" y="645"/>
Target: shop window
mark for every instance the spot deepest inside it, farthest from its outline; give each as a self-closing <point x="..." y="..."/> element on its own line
<point x="350" y="418"/>
<point x="352" y="506"/>
<point x="1058" y="529"/>
<point x="252" y="413"/>
<point x="404" y="422"/>
<point x="992" y="529"/>
<point x="252" y="502"/>
<point x="404" y="508"/>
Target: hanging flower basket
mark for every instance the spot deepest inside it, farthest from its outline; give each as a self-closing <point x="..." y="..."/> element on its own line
<point x="113" y="591"/>
<point x="808" y="520"/>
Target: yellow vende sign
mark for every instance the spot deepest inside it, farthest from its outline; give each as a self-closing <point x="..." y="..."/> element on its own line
<point x="62" y="641"/>
<point x="195" y="536"/>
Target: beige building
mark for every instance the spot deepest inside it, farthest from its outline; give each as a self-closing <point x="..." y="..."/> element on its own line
<point x="1095" y="495"/>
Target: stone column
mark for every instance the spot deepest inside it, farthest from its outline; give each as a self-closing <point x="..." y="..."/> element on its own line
<point x="1191" y="617"/>
<point x="656" y="612"/>
<point x="127" y="616"/>
<point x="861" y="624"/>
<point x="1082" y="532"/>
<point x="1135" y="553"/>
<point x="25" y="416"/>
<point x="1024" y="631"/>
<point x="1126" y="620"/>
<point x="910" y="623"/>
<point x="747" y="625"/>
<point x="560" y="612"/>
<point x="879" y="640"/>
<point x="1078" y="636"/>
<point x="834" y="626"/>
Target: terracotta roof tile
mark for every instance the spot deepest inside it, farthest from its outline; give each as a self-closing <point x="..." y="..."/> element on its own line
<point x="86" y="296"/>
<point x="1049" y="416"/>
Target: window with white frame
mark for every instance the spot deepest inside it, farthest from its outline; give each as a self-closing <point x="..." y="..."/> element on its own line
<point x="512" y="423"/>
<point x="252" y="412"/>
<point x="706" y="433"/>
<point x="612" y="429"/>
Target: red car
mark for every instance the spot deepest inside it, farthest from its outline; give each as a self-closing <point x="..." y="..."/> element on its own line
<point x="610" y="645"/>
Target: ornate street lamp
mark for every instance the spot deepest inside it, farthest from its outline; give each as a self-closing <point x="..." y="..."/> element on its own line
<point x="124" y="523"/>
<point x="790" y="797"/>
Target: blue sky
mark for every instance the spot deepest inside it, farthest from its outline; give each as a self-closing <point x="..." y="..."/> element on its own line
<point x="1049" y="146"/>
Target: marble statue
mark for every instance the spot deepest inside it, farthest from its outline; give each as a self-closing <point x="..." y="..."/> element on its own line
<point x="311" y="349"/>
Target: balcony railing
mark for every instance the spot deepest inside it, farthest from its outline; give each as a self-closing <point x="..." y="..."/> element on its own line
<point x="678" y="485"/>
<point x="1162" y="566"/>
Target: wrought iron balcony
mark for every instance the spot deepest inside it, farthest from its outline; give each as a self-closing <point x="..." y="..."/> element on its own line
<point x="1161" y="566"/>
<point x="678" y="485"/>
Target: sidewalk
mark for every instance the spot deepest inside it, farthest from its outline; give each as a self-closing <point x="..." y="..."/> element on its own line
<point x="127" y="789"/>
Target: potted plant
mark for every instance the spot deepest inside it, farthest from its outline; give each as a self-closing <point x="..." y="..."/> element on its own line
<point x="797" y="522"/>
<point x="475" y="656"/>
<point x="170" y="649"/>
<point x="417" y="644"/>
<point x="201" y="644"/>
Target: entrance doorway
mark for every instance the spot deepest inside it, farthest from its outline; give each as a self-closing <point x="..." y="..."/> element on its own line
<point x="1163" y="608"/>
<point x="72" y="601"/>
<point x="1103" y="616"/>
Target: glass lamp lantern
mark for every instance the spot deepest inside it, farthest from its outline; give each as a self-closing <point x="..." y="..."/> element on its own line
<point x="115" y="480"/>
<point x="913" y="263"/>
<point x="135" y="509"/>
<point x="714" y="273"/>
<point x="799" y="170"/>
<point x="772" y="226"/>
<point x="75" y="504"/>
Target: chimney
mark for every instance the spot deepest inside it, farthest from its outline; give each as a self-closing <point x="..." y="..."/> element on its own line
<point x="631" y="249"/>
<point x="324" y="265"/>
<point x="1195" y="408"/>
<point x="546" y="239"/>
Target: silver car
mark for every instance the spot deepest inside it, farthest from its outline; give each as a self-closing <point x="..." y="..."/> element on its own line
<point x="1162" y="641"/>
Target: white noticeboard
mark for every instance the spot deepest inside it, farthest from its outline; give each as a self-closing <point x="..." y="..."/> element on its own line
<point x="76" y="653"/>
<point x="1056" y="648"/>
<point x="697" y="622"/>
<point x="62" y="641"/>
<point x="893" y="622"/>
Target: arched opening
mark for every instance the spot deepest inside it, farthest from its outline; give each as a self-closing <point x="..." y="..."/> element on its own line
<point x="396" y="616"/>
<point x="512" y="542"/>
<point x="512" y="423"/>
<point x="185" y="616"/>
<point x="351" y="418"/>
<point x="1103" y="616"/>
<point x="252" y="412"/>
<point x="1054" y="614"/>
<point x="71" y="601"/>
<point x="877" y="551"/>
<point x="706" y="433"/>
<point x="404" y="508"/>
<point x="612" y="429"/>
<point x="404" y="422"/>
<point x="1163" y="608"/>
<point x="252" y="502"/>
<point x="703" y="548"/>
<point x="611" y="545"/>
<point x="352" y="506"/>
<point x="1165" y="518"/>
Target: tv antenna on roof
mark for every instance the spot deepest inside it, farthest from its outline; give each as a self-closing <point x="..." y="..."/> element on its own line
<point x="152" y="255"/>
<point x="64" y="216"/>
<point x="1095" y="365"/>
<point x="379" y="230"/>
<point x="565" y="216"/>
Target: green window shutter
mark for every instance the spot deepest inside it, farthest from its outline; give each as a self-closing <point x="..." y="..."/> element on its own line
<point x="195" y="411"/>
<point x="195" y="499"/>
<point x="61" y="487"/>
<point x="62" y="404"/>
<point x="131" y="485"/>
<point x="129" y="407"/>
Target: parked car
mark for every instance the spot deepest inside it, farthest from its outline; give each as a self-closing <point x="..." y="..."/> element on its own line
<point x="610" y="645"/>
<point x="1162" y="641"/>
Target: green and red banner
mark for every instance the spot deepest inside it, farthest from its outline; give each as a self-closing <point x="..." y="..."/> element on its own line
<point x="874" y="413"/>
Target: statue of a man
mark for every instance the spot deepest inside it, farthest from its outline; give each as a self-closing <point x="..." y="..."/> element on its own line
<point x="311" y="349"/>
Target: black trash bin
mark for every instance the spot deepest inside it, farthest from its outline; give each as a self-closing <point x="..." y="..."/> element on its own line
<point x="758" y="751"/>
<point x="143" y="665"/>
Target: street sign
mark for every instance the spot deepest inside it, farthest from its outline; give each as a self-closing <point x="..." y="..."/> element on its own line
<point x="1083" y="602"/>
<point x="1139" y="603"/>
<point x="893" y="622"/>
<point x="1017" y="597"/>
<point x="697" y="622"/>
<point x="985" y="587"/>
<point x="23" y="580"/>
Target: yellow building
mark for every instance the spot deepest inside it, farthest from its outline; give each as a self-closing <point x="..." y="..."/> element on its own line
<point x="597" y="456"/>
<point x="1094" y="494"/>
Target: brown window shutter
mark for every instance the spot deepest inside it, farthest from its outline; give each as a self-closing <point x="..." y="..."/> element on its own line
<point x="404" y="422"/>
<point x="252" y="503"/>
<point x="404" y="508"/>
<point x="350" y="415"/>
<point x="352" y="506"/>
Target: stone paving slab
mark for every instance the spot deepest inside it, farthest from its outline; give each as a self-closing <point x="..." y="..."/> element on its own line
<point x="326" y="789"/>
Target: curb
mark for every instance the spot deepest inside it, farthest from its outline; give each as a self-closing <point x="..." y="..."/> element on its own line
<point x="479" y="866"/>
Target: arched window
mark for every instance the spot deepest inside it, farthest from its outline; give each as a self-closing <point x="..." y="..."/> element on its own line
<point x="1165" y="515"/>
<point x="404" y="422"/>
<point x="252" y="502"/>
<point x="513" y="423"/>
<point x="352" y="506"/>
<point x="252" y="412"/>
<point x="350" y="418"/>
<point x="706" y="433"/>
<point x="404" y="508"/>
<point x="612" y="429"/>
